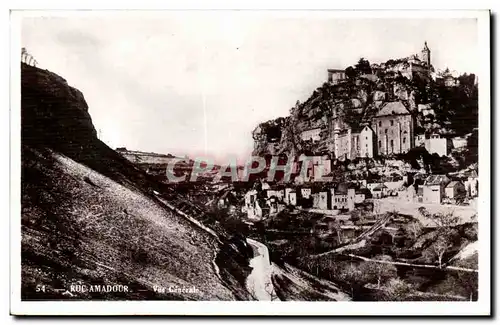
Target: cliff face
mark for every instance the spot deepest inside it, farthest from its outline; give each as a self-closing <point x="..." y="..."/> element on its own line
<point x="452" y="109"/>
<point x="90" y="217"/>
<point x="350" y="103"/>
<point x="53" y="111"/>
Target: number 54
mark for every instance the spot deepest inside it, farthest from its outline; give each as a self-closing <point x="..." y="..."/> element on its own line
<point x="40" y="287"/>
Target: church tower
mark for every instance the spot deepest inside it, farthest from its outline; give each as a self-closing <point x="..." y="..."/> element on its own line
<point x="426" y="55"/>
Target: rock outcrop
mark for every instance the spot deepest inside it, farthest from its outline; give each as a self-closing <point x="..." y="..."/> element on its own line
<point x="89" y="217"/>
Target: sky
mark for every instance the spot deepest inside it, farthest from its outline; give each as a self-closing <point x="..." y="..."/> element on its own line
<point x="197" y="83"/>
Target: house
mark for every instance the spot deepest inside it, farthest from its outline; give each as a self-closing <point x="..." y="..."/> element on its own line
<point x="286" y="199"/>
<point x="292" y="198"/>
<point x="448" y="80"/>
<point x="273" y="205"/>
<point x="425" y="109"/>
<point x="366" y="142"/>
<point x="252" y="207"/>
<point x="420" y="193"/>
<point x="336" y="75"/>
<point x="275" y="192"/>
<point x="472" y="184"/>
<point x="342" y="198"/>
<point x="437" y="144"/>
<point x="321" y="166"/>
<point x="393" y="186"/>
<point x="455" y="190"/>
<point x="305" y="192"/>
<point x="361" y="194"/>
<point x="320" y="200"/>
<point x="459" y="142"/>
<point x="351" y="143"/>
<point x="434" y="188"/>
<point x="419" y="140"/>
<point x="379" y="191"/>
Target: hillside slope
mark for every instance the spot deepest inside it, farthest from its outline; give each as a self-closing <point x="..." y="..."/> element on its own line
<point x="89" y="216"/>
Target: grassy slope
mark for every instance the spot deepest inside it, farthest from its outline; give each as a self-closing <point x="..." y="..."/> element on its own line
<point x="88" y="215"/>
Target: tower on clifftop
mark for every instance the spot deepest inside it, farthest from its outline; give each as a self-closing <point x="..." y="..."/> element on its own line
<point x="426" y="55"/>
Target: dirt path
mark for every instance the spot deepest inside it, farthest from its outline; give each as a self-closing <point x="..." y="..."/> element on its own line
<point x="259" y="282"/>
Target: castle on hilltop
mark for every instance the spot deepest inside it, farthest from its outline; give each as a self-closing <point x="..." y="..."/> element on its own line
<point x="390" y="129"/>
<point x="408" y="67"/>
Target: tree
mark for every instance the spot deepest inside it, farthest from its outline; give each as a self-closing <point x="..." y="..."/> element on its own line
<point x="352" y="275"/>
<point x="443" y="221"/>
<point x="350" y="72"/>
<point x="445" y="234"/>
<point x="338" y="229"/>
<point x="379" y="273"/>
<point x="440" y="246"/>
<point x="363" y="67"/>
<point x="398" y="289"/>
<point x="468" y="280"/>
<point x="414" y="228"/>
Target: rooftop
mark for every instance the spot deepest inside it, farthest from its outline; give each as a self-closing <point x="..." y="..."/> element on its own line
<point x="336" y="70"/>
<point x="393" y="108"/>
<point x="436" y="180"/>
<point x="453" y="183"/>
<point x="380" y="186"/>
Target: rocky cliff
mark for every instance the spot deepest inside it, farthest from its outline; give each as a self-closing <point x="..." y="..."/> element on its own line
<point x="90" y="218"/>
<point x="354" y="102"/>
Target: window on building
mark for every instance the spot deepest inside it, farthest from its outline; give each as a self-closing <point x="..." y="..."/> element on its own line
<point x="379" y="123"/>
<point x="385" y="131"/>
<point x="366" y="138"/>
<point x="392" y="122"/>
<point x="380" y="144"/>
<point x="404" y="140"/>
<point x="392" y="145"/>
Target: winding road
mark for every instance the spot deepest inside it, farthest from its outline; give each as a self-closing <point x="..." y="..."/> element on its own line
<point x="259" y="282"/>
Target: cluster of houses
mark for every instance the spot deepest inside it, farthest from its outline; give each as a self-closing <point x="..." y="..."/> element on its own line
<point x="339" y="197"/>
<point x="327" y="197"/>
<point x="440" y="189"/>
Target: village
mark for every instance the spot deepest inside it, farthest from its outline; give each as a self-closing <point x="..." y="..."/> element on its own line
<point x="334" y="199"/>
<point x="372" y="152"/>
<point x="264" y="164"/>
<point x="371" y="163"/>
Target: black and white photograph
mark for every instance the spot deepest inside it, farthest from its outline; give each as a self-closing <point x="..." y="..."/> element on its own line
<point x="280" y="156"/>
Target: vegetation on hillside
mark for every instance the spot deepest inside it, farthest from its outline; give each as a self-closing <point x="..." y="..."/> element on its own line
<point x="455" y="107"/>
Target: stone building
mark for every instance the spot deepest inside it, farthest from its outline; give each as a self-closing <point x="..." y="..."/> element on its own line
<point x="437" y="144"/>
<point x="311" y="134"/>
<point x="366" y="142"/>
<point x="471" y="184"/>
<point x="320" y="200"/>
<point x="426" y="55"/>
<point x="336" y="75"/>
<point x="352" y="143"/>
<point x="343" y="141"/>
<point x="393" y="127"/>
<point x="434" y="188"/>
<point x="413" y="65"/>
<point x="252" y="207"/>
<point x="455" y="190"/>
